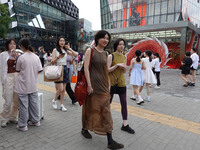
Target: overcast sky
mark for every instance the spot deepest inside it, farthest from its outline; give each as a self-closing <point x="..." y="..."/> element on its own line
<point x="90" y="10"/>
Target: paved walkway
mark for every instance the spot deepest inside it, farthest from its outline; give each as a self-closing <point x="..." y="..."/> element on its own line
<point x="171" y="121"/>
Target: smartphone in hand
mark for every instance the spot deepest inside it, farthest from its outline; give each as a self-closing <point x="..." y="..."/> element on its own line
<point x="12" y="54"/>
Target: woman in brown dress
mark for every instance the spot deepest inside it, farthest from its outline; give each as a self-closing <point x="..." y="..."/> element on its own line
<point x="96" y="115"/>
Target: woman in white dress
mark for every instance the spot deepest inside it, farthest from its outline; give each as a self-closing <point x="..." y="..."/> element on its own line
<point x="148" y="76"/>
<point x="136" y="76"/>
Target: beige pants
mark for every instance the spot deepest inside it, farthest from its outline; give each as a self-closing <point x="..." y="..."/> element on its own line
<point x="10" y="107"/>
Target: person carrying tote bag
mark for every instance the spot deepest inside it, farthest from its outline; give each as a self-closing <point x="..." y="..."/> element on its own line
<point x="53" y="73"/>
<point x="59" y="57"/>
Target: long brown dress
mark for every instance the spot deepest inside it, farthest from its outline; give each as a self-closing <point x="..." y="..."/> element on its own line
<point x="96" y="115"/>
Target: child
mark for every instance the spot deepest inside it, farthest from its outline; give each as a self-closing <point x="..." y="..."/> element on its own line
<point x="136" y="75"/>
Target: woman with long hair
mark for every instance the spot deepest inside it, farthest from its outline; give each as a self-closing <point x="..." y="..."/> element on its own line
<point x="59" y="57"/>
<point x="148" y="76"/>
<point x="157" y="61"/>
<point x="136" y="75"/>
<point x="8" y="80"/>
<point x="116" y="69"/>
<point x="28" y="65"/>
<point x="96" y="115"/>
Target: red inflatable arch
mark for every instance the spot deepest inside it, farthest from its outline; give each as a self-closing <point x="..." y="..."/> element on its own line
<point x="151" y="44"/>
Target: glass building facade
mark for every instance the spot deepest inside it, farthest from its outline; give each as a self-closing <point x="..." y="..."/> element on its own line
<point x="127" y="13"/>
<point x="175" y="22"/>
<point x="84" y="33"/>
<point x="43" y="21"/>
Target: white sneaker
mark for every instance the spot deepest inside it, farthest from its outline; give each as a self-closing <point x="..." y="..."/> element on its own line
<point x="157" y="87"/>
<point x="3" y="124"/>
<point x="140" y="100"/>
<point x="133" y="97"/>
<point x="147" y="99"/>
<point x="54" y="104"/>
<point x="62" y="108"/>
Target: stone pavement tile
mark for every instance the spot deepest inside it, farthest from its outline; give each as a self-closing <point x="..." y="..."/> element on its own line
<point x="197" y="144"/>
<point x="191" y="141"/>
<point x="178" y="107"/>
<point x="61" y="130"/>
<point x="170" y="147"/>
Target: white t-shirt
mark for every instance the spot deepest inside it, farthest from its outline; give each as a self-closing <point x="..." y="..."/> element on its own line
<point x="28" y="65"/>
<point x="157" y="64"/>
<point x="195" y="60"/>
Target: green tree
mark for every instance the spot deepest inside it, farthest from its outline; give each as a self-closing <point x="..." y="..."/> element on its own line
<point x="4" y="20"/>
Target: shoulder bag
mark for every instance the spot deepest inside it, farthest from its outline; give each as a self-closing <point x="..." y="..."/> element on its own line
<point x="80" y="91"/>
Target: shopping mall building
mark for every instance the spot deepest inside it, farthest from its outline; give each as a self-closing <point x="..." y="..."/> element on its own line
<point x="175" y="22"/>
<point x="43" y="21"/>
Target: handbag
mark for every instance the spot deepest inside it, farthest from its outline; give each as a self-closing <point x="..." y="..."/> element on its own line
<point x="53" y="73"/>
<point x="80" y="91"/>
<point x="115" y="89"/>
<point x="73" y="78"/>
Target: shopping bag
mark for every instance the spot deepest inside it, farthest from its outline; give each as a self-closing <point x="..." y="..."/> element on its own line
<point x="73" y="78"/>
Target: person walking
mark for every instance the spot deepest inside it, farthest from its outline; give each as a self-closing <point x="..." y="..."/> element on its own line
<point x="71" y="70"/>
<point x="185" y="68"/>
<point x="136" y="76"/>
<point x="194" y="66"/>
<point x="96" y="115"/>
<point x="59" y="57"/>
<point x="116" y="69"/>
<point x="28" y="65"/>
<point x="156" y="71"/>
<point x="41" y="54"/>
<point x="8" y="80"/>
<point x="148" y="76"/>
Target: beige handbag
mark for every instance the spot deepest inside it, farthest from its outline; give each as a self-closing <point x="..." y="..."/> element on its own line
<point x="53" y="72"/>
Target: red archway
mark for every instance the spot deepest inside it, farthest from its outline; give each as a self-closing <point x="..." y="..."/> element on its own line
<point x="152" y="44"/>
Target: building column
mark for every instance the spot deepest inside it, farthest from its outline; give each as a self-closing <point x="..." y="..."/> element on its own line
<point x="198" y="50"/>
<point x="183" y="43"/>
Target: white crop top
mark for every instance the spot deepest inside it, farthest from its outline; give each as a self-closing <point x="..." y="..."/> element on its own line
<point x="61" y="61"/>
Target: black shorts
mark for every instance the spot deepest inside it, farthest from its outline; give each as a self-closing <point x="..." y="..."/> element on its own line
<point x="192" y="68"/>
<point x="185" y="70"/>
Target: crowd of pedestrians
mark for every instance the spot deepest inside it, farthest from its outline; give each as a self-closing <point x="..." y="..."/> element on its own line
<point x="19" y="74"/>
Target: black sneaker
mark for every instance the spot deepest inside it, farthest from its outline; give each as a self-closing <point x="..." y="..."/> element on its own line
<point x="115" y="145"/>
<point x="86" y="134"/>
<point x="192" y="84"/>
<point x="74" y="101"/>
<point x="127" y="129"/>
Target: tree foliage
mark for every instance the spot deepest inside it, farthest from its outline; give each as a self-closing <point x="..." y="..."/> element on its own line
<point x="4" y="20"/>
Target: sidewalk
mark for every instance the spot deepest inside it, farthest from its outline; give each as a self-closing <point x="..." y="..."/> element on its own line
<point x="171" y="121"/>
